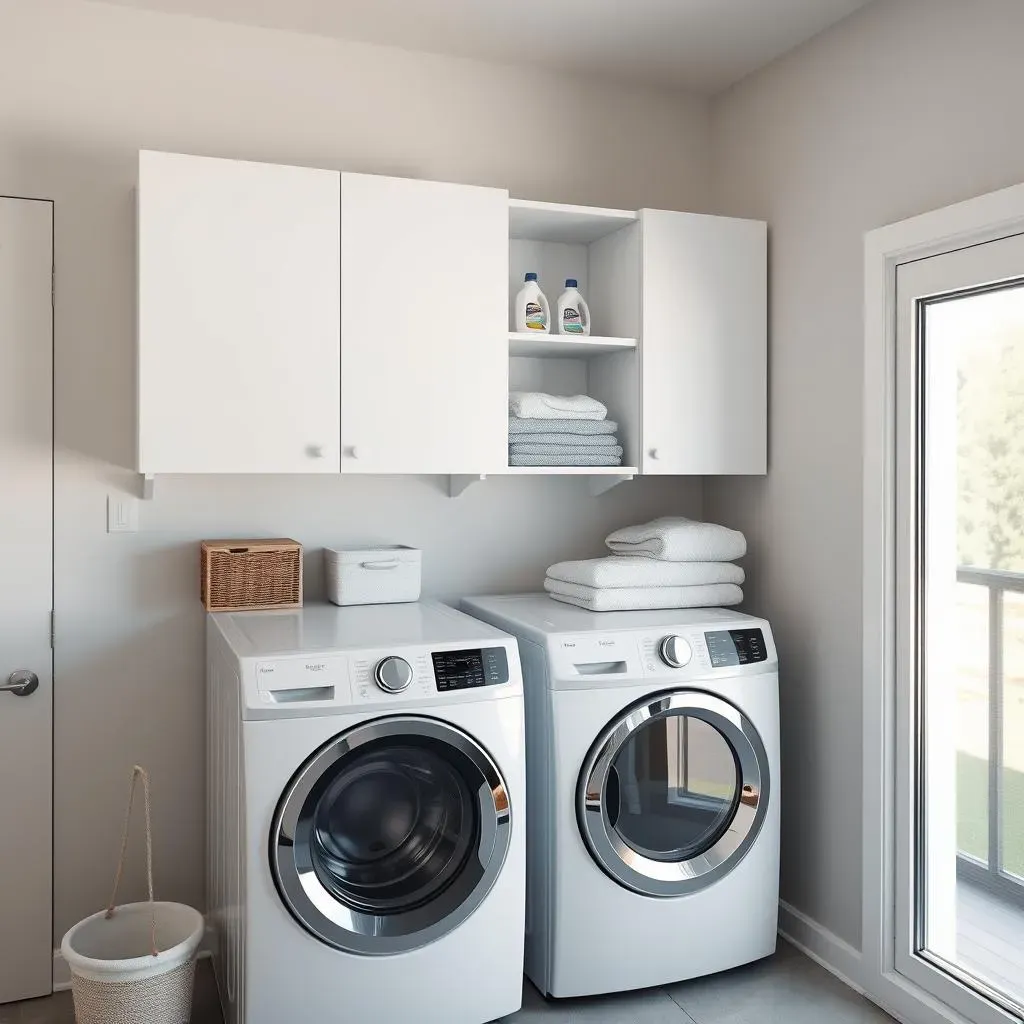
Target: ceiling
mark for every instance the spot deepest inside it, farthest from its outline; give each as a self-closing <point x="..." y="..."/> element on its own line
<point x="699" y="45"/>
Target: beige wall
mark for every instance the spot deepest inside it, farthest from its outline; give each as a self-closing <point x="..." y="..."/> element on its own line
<point x="82" y="87"/>
<point x="907" y="106"/>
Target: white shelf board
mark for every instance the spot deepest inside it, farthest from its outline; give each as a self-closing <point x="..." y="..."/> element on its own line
<point x="558" y="222"/>
<point x="562" y="346"/>
<point x="625" y="471"/>
<point x="602" y="478"/>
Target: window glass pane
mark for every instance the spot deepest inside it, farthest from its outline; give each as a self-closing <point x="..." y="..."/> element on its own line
<point x="677" y="782"/>
<point x="970" y="881"/>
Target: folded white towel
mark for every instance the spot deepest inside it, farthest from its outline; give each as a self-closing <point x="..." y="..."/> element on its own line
<point x="628" y="571"/>
<point x="619" y="599"/>
<point x="674" y="539"/>
<point x="537" y="405"/>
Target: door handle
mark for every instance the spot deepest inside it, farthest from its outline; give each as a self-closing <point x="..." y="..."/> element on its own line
<point x="21" y="683"/>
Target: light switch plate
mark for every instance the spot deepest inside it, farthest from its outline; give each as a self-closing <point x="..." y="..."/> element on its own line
<point x="122" y="513"/>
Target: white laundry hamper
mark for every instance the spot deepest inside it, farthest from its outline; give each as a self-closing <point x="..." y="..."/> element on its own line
<point x="134" y="964"/>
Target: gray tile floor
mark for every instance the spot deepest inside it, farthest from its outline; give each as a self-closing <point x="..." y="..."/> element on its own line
<point x="785" y="989"/>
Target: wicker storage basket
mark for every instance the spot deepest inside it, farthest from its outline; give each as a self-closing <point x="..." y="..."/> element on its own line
<point x="241" y="575"/>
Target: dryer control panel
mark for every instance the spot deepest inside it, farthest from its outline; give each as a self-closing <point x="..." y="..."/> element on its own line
<point x="674" y="654"/>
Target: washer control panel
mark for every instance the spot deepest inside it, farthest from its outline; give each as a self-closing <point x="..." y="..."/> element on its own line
<point x="399" y="677"/>
<point x="462" y="670"/>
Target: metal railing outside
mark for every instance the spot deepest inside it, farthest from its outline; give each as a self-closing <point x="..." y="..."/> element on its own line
<point x="990" y="873"/>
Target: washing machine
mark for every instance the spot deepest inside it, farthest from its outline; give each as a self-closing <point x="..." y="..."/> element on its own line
<point x="652" y="742"/>
<point x="366" y="857"/>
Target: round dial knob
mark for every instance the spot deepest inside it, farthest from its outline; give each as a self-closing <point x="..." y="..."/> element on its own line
<point x="675" y="651"/>
<point x="393" y="674"/>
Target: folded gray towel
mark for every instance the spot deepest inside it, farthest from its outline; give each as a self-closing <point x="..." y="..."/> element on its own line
<point x="518" y="425"/>
<point x="530" y="448"/>
<point x="566" y="440"/>
<point x="584" y="458"/>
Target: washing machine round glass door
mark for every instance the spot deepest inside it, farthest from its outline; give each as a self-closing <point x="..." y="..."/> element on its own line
<point x="390" y="835"/>
<point x="673" y="793"/>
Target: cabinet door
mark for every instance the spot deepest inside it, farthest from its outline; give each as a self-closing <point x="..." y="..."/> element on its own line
<point x="424" y="338"/>
<point x="238" y="317"/>
<point x="704" y="344"/>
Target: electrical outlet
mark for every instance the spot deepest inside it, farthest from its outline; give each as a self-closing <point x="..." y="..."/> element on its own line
<point x="122" y="514"/>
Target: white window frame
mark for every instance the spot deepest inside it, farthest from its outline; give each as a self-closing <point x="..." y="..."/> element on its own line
<point x="984" y="219"/>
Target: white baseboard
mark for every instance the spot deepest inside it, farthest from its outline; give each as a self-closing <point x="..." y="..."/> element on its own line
<point x="825" y="948"/>
<point x="62" y="972"/>
<point x="840" y="959"/>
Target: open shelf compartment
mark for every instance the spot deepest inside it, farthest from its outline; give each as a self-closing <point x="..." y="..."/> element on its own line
<point x="600" y="248"/>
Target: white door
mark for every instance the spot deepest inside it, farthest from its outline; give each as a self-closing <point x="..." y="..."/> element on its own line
<point x="424" y="332"/>
<point x="238" y="316"/>
<point x="26" y="557"/>
<point x="959" y="750"/>
<point x="704" y="357"/>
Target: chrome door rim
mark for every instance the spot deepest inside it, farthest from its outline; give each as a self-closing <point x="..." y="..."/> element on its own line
<point x="322" y="913"/>
<point x="674" y="878"/>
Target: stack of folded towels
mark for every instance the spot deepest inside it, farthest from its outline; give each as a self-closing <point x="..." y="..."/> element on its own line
<point x="556" y="430"/>
<point x="667" y="563"/>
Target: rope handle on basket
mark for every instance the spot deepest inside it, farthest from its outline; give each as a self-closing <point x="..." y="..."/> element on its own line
<point x="137" y="773"/>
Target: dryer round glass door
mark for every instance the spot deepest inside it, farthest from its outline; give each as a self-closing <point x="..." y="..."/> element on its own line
<point x="390" y="835"/>
<point x="673" y="793"/>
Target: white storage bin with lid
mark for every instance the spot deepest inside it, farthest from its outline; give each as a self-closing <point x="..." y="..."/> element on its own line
<point x="389" y="574"/>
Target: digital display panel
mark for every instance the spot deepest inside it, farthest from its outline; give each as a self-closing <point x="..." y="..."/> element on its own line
<point x="735" y="647"/>
<point x="461" y="670"/>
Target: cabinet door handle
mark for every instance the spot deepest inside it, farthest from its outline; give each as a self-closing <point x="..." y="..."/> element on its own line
<point x="315" y="451"/>
<point x="352" y="452"/>
<point x="653" y="452"/>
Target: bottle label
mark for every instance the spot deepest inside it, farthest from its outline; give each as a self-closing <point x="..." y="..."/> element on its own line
<point x="535" y="318"/>
<point x="571" y="323"/>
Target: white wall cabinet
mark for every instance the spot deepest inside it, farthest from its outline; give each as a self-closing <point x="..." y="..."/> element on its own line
<point x="238" y="310"/>
<point x="704" y="344"/>
<point x="424" y="267"/>
<point x="295" y="320"/>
